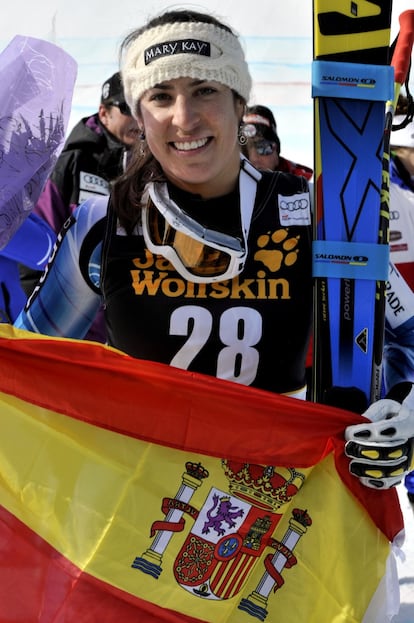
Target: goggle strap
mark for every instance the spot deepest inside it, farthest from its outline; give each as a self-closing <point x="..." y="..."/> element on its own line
<point x="248" y="179"/>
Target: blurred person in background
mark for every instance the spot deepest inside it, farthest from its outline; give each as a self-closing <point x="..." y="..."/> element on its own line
<point x="402" y="248"/>
<point x="95" y="153"/>
<point x="262" y="145"/>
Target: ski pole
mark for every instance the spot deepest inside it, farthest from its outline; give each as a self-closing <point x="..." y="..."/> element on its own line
<point x="402" y="53"/>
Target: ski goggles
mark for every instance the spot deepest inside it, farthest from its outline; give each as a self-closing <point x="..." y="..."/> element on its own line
<point x="263" y="148"/>
<point x="199" y="254"/>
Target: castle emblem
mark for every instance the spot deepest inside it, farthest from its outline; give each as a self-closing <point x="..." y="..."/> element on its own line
<point x="230" y="534"/>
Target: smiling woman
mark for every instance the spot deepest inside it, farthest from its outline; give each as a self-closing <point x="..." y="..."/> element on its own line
<point x="203" y="212"/>
<point x="189" y="91"/>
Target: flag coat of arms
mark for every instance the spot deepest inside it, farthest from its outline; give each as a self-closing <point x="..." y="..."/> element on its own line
<point x="134" y="491"/>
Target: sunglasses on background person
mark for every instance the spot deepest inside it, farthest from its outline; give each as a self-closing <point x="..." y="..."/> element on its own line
<point x="124" y="109"/>
<point x="263" y="147"/>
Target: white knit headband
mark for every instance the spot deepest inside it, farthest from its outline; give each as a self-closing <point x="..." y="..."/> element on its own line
<point x="184" y="49"/>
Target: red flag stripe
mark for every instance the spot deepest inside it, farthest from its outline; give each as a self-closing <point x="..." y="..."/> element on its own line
<point x="34" y="566"/>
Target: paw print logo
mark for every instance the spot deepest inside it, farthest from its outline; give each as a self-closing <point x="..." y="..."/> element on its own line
<point x="276" y="250"/>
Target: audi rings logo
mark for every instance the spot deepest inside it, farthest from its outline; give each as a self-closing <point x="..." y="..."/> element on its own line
<point x="95" y="179"/>
<point x="294" y="210"/>
<point x="293" y="206"/>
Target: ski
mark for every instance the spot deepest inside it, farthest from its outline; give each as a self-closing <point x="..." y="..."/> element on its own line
<point x="352" y="208"/>
<point x="351" y="83"/>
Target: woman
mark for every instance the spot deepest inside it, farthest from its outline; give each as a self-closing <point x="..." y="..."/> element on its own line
<point x="206" y="263"/>
<point x="201" y="261"/>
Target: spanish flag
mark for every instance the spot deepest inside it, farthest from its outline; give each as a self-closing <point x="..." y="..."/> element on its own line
<point x="133" y="491"/>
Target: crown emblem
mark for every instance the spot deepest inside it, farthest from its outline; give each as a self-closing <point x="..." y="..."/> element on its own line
<point x="262" y="486"/>
<point x="301" y="517"/>
<point x="196" y="470"/>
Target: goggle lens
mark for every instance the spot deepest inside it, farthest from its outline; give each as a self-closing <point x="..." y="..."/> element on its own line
<point x="197" y="257"/>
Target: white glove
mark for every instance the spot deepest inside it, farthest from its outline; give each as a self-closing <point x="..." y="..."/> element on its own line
<point x="381" y="451"/>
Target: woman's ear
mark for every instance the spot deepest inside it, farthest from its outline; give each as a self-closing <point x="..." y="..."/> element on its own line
<point x="240" y="108"/>
<point x="138" y="117"/>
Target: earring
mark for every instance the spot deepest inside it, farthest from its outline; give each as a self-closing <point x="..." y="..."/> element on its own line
<point x="241" y="137"/>
<point x="142" y="143"/>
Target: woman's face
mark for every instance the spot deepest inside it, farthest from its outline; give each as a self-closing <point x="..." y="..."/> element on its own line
<point x="191" y="129"/>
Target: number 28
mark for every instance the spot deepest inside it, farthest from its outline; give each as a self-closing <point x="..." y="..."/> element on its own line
<point x="240" y="329"/>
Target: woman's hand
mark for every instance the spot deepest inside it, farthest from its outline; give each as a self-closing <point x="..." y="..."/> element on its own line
<point x="381" y="451"/>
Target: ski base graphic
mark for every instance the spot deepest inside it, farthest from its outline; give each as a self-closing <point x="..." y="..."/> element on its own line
<point x="351" y="82"/>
